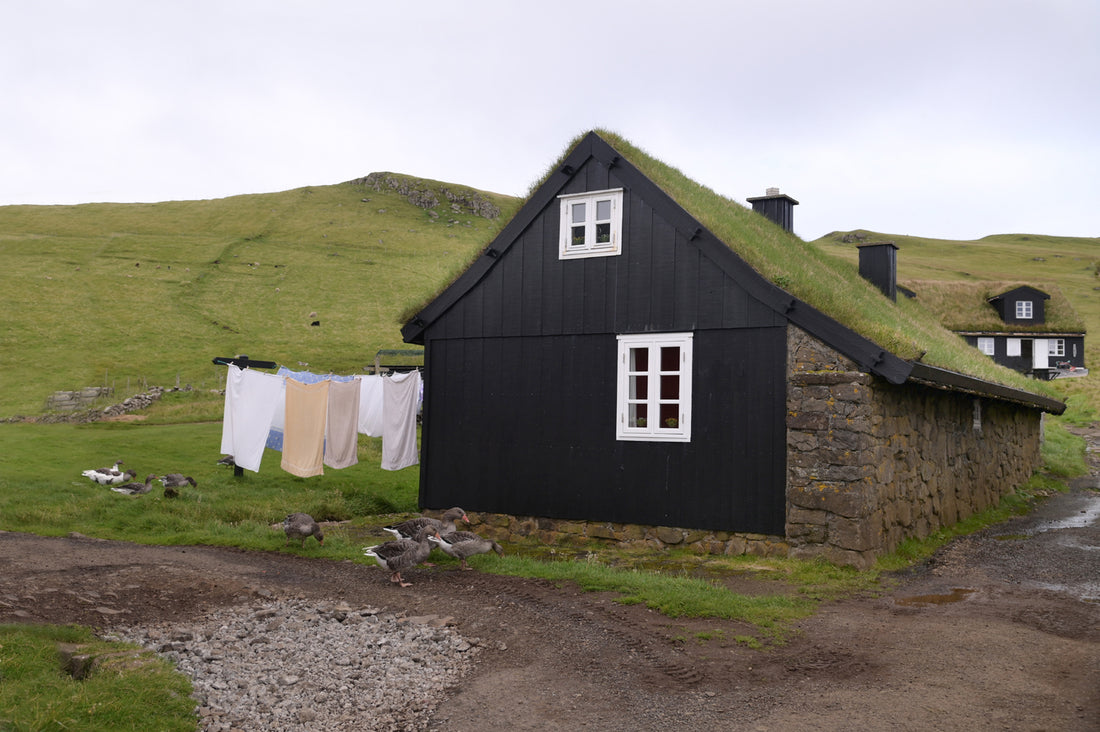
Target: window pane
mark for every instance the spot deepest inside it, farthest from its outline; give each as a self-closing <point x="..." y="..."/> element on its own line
<point x="578" y="213"/>
<point x="578" y="236"/>
<point x="638" y="415"/>
<point x="670" y="386"/>
<point x="603" y="210"/>
<point x="639" y="359"/>
<point x="639" y="387"/>
<point x="603" y="233"/>
<point x="670" y="358"/>
<point x="670" y="417"/>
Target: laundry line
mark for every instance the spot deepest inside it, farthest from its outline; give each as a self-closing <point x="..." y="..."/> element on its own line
<point x="315" y="419"/>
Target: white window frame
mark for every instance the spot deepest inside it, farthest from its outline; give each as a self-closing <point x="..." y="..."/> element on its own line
<point x="1012" y="347"/>
<point x="628" y="403"/>
<point x="987" y="345"/>
<point x="567" y="248"/>
<point x="1024" y="310"/>
<point x="1056" y="346"/>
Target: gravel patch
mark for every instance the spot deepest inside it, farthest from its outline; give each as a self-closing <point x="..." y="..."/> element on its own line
<point x="296" y="665"/>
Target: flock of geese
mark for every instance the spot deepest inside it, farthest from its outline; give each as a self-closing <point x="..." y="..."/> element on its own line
<point x="412" y="543"/>
<point x="122" y="481"/>
<point x="413" y="539"/>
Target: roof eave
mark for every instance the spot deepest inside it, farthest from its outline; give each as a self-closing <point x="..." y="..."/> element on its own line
<point x="954" y="381"/>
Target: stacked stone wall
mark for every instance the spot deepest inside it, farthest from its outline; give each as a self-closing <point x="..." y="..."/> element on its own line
<point x="871" y="464"/>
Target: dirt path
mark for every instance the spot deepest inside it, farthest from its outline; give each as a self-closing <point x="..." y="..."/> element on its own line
<point x="1000" y="630"/>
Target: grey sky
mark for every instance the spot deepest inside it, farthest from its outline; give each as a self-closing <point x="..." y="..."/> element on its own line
<point x="952" y="119"/>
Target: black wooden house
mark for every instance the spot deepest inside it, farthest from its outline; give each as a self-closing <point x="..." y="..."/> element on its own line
<point x="608" y="358"/>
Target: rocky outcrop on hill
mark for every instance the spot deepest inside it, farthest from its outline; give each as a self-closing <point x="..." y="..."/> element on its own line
<point x="430" y="194"/>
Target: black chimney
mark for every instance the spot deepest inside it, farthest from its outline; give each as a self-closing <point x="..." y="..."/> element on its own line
<point x="878" y="263"/>
<point x="779" y="207"/>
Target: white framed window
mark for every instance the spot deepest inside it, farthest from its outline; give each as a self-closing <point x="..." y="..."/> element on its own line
<point x="1012" y="347"/>
<point x="591" y="224"/>
<point x="1023" y="309"/>
<point x="654" y="387"/>
<point x="985" y="345"/>
<point x="1056" y="347"/>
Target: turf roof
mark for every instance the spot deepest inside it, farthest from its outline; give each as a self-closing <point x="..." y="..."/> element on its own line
<point x="831" y="285"/>
<point x="965" y="307"/>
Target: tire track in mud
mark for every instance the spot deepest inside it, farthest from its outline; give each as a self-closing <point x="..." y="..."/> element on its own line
<point x="630" y="635"/>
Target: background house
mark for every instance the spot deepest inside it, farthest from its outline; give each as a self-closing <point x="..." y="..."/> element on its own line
<point x="612" y="365"/>
<point x="1030" y="330"/>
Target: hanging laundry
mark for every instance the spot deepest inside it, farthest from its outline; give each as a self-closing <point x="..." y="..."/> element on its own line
<point x="304" y="434"/>
<point x="400" y="396"/>
<point x="275" y="437"/>
<point x="251" y="398"/>
<point x="342" y="424"/>
<point x="370" y="405"/>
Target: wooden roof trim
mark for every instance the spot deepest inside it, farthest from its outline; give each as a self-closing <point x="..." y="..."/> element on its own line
<point x="954" y="381"/>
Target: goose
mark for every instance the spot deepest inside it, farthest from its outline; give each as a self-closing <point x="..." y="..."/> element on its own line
<point x="177" y="480"/>
<point x="301" y="526"/>
<point x="401" y="554"/>
<point x="228" y="460"/>
<point x="109" y="478"/>
<point x="135" y="489"/>
<point x="100" y="475"/>
<point x="462" y="544"/>
<point x="408" y="529"/>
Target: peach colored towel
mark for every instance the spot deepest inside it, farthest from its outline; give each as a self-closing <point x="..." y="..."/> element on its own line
<point x="304" y="435"/>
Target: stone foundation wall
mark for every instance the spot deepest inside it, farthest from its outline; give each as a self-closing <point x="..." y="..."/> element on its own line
<point x="870" y="463"/>
<point x="569" y="533"/>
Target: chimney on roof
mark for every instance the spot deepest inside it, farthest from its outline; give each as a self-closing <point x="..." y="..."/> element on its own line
<point x="878" y="264"/>
<point x="777" y="206"/>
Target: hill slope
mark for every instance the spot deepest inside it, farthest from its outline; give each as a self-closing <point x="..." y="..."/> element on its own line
<point x="123" y="294"/>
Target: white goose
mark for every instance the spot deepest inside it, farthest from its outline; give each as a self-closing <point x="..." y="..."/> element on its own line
<point x="103" y="476"/>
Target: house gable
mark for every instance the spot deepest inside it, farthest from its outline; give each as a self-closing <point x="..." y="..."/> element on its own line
<point x="1010" y="306"/>
<point x="691" y="280"/>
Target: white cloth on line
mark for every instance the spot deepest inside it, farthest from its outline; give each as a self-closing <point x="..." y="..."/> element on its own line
<point x="370" y="405"/>
<point x="400" y="396"/>
<point x="251" y="398"/>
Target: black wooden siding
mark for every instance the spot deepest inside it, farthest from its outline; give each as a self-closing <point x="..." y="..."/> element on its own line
<point x="520" y="411"/>
<point x="526" y="426"/>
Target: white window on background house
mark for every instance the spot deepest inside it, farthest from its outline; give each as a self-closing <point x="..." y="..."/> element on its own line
<point x="591" y="224"/>
<point x="1023" y="309"/>
<point x="654" y="387"/>
<point x="985" y="345"/>
<point x="1056" y="347"/>
<point x="1012" y="347"/>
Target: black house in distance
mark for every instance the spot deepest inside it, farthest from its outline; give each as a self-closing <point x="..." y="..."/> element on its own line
<point x="611" y="368"/>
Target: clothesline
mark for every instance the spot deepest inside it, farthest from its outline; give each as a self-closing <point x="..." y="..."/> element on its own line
<point x="315" y="419"/>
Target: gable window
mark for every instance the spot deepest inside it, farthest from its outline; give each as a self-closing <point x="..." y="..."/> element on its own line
<point x="1023" y="309"/>
<point x="591" y="224"/>
<point x="985" y="345"/>
<point x="654" y="387"/>
<point x="1056" y="347"/>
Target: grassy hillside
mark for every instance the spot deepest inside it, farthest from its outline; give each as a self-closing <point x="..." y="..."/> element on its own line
<point x="127" y="294"/>
<point x="1071" y="264"/>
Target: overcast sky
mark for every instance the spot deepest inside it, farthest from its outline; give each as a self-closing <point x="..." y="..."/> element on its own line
<point x="939" y="118"/>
